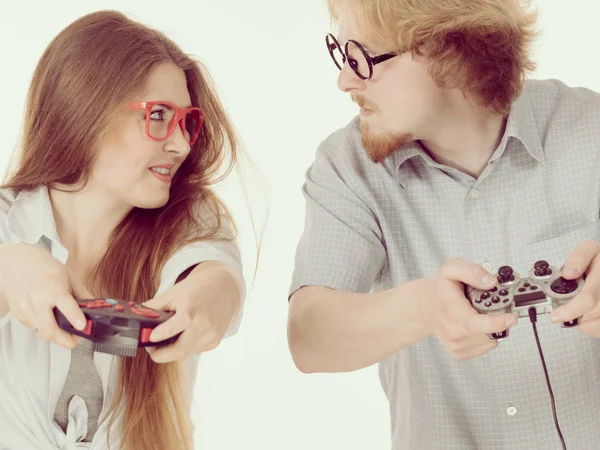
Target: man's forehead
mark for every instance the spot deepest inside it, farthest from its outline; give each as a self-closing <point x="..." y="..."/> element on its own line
<point x="346" y="30"/>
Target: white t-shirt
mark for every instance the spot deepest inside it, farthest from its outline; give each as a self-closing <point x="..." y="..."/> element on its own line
<point x="33" y="372"/>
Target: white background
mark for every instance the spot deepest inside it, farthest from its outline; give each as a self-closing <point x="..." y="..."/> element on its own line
<point x="276" y="79"/>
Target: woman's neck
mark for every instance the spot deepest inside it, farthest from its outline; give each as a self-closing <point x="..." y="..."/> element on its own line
<point x="85" y="220"/>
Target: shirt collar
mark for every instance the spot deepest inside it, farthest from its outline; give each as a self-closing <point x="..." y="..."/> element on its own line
<point x="521" y="124"/>
<point x="31" y="217"/>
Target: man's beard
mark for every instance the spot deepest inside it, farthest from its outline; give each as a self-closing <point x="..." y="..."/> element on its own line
<point x="380" y="145"/>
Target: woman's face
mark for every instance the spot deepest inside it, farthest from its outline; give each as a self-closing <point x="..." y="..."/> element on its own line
<point x="130" y="166"/>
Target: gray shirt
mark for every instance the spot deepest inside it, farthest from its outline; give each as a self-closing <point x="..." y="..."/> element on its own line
<point x="374" y="226"/>
<point x="84" y="381"/>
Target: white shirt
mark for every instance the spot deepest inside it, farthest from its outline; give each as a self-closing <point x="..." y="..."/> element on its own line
<point x="33" y="372"/>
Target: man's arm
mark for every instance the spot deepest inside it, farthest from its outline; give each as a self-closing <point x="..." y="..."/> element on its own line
<point x="337" y="331"/>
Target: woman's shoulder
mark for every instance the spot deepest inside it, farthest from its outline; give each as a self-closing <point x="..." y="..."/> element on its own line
<point x="19" y="212"/>
<point x="8" y="197"/>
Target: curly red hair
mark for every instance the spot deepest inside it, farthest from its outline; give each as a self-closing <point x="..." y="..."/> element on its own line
<point x="478" y="46"/>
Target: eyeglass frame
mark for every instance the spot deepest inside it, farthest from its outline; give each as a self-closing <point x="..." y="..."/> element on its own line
<point x="371" y="60"/>
<point x="179" y="118"/>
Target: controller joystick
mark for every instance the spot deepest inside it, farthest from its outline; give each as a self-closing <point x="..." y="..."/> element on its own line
<point x="564" y="286"/>
<point x="544" y="289"/>
<point x="505" y="274"/>
<point x="542" y="269"/>
<point x="117" y="327"/>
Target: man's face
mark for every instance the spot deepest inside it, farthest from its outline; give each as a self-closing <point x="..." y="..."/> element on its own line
<point x="398" y="103"/>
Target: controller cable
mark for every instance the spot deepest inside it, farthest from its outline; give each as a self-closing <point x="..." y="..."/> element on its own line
<point x="533" y="319"/>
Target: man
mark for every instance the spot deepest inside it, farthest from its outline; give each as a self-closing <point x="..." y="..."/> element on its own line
<point x="454" y="168"/>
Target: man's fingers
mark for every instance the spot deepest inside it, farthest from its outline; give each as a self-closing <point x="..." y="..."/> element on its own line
<point x="468" y="273"/>
<point x="582" y="303"/>
<point x="580" y="259"/>
<point x="491" y="323"/>
<point x="490" y="345"/>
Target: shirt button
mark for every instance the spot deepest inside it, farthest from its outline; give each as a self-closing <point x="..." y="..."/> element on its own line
<point x="475" y="193"/>
<point x="511" y="410"/>
<point x="487" y="266"/>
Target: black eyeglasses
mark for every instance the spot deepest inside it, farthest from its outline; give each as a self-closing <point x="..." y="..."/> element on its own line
<point x="357" y="57"/>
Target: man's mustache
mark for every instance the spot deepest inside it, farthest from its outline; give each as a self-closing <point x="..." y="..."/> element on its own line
<point x="360" y="101"/>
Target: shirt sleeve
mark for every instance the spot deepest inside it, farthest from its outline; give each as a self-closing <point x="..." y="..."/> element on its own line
<point x="5" y="201"/>
<point x="5" y="319"/>
<point x="342" y="245"/>
<point x="224" y="251"/>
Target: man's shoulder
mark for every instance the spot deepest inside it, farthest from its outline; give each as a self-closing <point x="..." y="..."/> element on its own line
<point x="549" y="97"/>
<point x="343" y="143"/>
<point x="344" y="152"/>
<point x="564" y="116"/>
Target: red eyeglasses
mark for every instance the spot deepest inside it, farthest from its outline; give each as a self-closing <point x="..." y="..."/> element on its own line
<point x="163" y="117"/>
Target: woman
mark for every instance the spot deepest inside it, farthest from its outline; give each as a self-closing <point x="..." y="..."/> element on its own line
<point x="111" y="197"/>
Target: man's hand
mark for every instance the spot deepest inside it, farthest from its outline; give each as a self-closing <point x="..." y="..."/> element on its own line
<point x="205" y="304"/>
<point x="451" y="317"/>
<point x="583" y="260"/>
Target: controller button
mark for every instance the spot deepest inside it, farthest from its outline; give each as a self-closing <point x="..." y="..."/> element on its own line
<point x="526" y="285"/>
<point x="533" y="288"/>
<point x="505" y="274"/>
<point x="562" y="286"/>
<point x="478" y="300"/>
<point x="145" y="335"/>
<point x="495" y="299"/>
<point x="503" y="292"/>
<point x="501" y="335"/>
<point x="88" y="327"/>
<point x="506" y="300"/>
<point x="488" y="303"/>
<point x="494" y="289"/>
<point x="485" y="295"/>
<point x="145" y="312"/>
<point x="522" y="289"/>
<point x="572" y="323"/>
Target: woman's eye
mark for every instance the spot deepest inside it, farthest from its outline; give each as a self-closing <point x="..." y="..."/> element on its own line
<point x="157" y="114"/>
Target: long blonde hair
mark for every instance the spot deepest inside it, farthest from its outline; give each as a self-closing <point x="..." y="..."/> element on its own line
<point x="83" y="79"/>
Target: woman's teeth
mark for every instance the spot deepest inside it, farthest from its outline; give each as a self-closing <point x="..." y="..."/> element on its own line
<point x="161" y="170"/>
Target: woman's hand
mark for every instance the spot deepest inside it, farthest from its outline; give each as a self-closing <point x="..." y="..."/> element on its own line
<point x="205" y="304"/>
<point x="34" y="282"/>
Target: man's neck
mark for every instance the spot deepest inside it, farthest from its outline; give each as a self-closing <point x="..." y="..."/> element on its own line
<point x="464" y="137"/>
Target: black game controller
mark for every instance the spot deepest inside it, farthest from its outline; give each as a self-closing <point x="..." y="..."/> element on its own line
<point x="545" y="290"/>
<point x="116" y="326"/>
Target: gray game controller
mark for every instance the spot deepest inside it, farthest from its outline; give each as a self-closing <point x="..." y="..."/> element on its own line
<point x="545" y="290"/>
